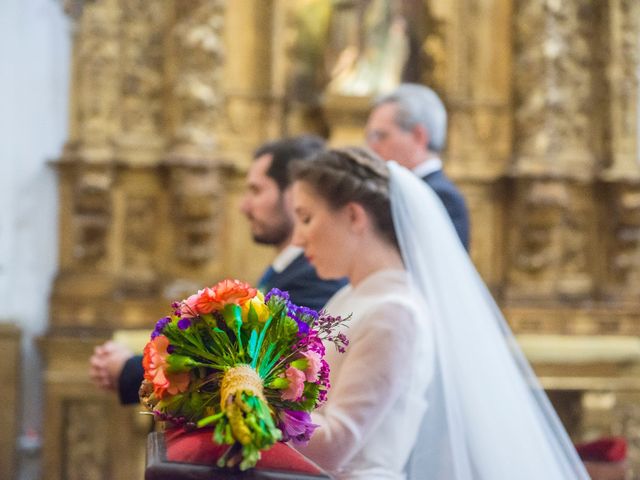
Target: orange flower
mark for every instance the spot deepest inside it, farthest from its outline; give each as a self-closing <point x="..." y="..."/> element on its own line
<point x="215" y="298"/>
<point x="234" y="291"/>
<point x="155" y="364"/>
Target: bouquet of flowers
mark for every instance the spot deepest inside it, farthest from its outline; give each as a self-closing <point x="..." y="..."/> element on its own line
<point x="248" y="364"/>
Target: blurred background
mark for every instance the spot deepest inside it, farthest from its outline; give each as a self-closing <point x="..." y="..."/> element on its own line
<point x="126" y="128"/>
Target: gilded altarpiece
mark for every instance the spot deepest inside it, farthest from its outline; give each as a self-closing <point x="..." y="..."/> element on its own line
<point x="169" y="98"/>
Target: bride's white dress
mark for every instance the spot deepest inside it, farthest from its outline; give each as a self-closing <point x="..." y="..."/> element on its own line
<point x="446" y="378"/>
<point x="370" y="422"/>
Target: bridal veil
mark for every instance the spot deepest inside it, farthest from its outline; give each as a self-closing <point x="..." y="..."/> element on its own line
<point x="487" y="417"/>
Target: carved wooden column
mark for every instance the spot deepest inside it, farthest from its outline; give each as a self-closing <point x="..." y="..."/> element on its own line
<point x="556" y="146"/>
<point x="468" y="51"/>
<point x="197" y="59"/>
<point x="253" y="113"/>
<point x="621" y="175"/>
<point x="621" y="279"/>
<point x="624" y="87"/>
<point x="195" y="158"/>
<point x="574" y="220"/>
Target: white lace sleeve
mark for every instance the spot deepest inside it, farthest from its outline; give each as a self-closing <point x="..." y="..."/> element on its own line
<point x="374" y="373"/>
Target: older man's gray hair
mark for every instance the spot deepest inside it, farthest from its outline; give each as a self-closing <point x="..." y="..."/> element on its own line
<point x="419" y="105"/>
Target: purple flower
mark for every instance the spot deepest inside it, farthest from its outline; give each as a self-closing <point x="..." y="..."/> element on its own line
<point x="305" y="313"/>
<point x="303" y="316"/>
<point x="323" y="380"/>
<point x="160" y="324"/>
<point x="275" y="292"/>
<point x="296" y="426"/>
<point x="184" y="323"/>
<point x="303" y="328"/>
<point x="311" y="342"/>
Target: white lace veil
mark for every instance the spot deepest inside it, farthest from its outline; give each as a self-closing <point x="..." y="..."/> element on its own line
<point x="487" y="417"/>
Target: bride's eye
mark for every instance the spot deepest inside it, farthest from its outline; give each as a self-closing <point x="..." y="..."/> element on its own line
<point x="304" y="218"/>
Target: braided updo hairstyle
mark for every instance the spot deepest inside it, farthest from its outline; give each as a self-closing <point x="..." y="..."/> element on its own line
<point x="350" y="174"/>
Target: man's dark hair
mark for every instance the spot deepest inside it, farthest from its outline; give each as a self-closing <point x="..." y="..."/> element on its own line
<point x="284" y="151"/>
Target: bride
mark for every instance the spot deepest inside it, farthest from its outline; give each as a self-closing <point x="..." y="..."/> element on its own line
<point x="432" y="385"/>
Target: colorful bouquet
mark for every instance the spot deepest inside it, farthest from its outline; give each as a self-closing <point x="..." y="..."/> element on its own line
<point x="252" y="366"/>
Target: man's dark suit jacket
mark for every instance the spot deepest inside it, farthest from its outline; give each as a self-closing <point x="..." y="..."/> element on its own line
<point x="299" y="279"/>
<point x="453" y="202"/>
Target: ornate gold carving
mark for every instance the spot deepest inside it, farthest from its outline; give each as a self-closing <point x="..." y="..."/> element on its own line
<point x="550" y="250"/>
<point x="195" y="194"/>
<point x="198" y="54"/>
<point x="96" y="82"/>
<point x="553" y="86"/>
<point x="140" y="243"/>
<point x="605" y="320"/>
<point x="623" y="257"/>
<point x="92" y="214"/>
<point x="144" y="25"/>
<point x="84" y="457"/>
<point x="624" y="61"/>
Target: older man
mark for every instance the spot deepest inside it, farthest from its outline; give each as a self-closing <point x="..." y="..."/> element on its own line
<point x="409" y="125"/>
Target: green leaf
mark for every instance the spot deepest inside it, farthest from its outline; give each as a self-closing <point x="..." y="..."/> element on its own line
<point x="300" y="364"/>
<point x="210" y="419"/>
<point x="181" y="363"/>
<point x="265" y="329"/>
<point x="264" y="367"/>
<point x="253" y="344"/>
<point x="252" y="317"/>
<point x="218" y="434"/>
<point x="279" y="383"/>
<point x="231" y="312"/>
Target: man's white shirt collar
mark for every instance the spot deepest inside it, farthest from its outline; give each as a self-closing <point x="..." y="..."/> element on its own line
<point x="428" y="167"/>
<point x="285" y="257"/>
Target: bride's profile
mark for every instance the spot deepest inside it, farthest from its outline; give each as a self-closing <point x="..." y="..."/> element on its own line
<point x="432" y="385"/>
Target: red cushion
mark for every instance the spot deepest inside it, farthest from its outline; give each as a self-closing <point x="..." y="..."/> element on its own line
<point x="197" y="446"/>
<point x="611" y="449"/>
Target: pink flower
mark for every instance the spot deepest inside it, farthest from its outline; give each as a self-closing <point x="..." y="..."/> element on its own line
<point x="314" y="364"/>
<point x="189" y="307"/>
<point x="215" y="298"/>
<point x="296" y="384"/>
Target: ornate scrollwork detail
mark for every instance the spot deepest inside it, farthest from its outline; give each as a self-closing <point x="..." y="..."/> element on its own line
<point x="196" y="193"/>
<point x="551" y="242"/>
<point x="624" y="242"/>
<point x="92" y="214"/>
<point x="85" y="457"/>
<point x="143" y="76"/>
<point x="553" y="86"/>
<point x="140" y="221"/>
<point x="199" y="53"/>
